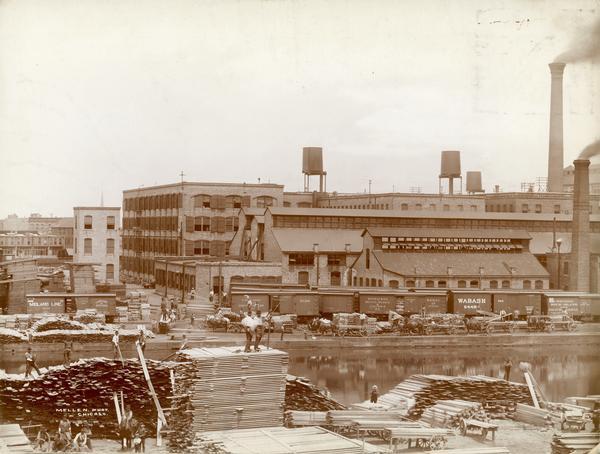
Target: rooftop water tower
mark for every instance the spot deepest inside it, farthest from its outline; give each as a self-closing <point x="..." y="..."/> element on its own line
<point x="474" y="182"/>
<point x="312" y="164"/>
<point x="450" y="169"/>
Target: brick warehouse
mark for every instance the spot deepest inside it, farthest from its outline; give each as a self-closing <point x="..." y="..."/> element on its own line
<point x="185" y="219"/>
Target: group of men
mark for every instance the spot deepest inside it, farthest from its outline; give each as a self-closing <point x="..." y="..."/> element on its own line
<point x="254" y="325"/>
<point x="63" y="440"/>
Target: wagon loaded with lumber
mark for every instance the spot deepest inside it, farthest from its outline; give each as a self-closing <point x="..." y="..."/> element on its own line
<point x="488" y="322"/>
<point x="433" y="324"/>
<point x="349" y="325"/>
<point x="549" y="323"/>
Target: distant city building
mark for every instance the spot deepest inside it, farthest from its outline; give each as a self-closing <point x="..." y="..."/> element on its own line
<point x="186" y="219"/>
<point x="30" y="245"/>
<point x="97" y="240"/>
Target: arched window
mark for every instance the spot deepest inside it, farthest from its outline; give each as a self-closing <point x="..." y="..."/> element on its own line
<point x="265" y="201"/>
<point x="393" y="283"/>
<point x="202" y="201"/>
<point x="379" y="283"/>
<point x="233" y="201"/>
<point x="354" y="281"/>
<point x="493" y="284"/>
<point x="442" y="284"/>
<point x="526" y="284"/>
<point x="404" y="207"/>
<point x="462" y="284"/>
<point x="539" y="284"/>
<point x="360" y="281"/>
<point x="474" y="284"/>
<point x="429" y="284"/>
<point x="410" y="283"/>
<point x="505" y="284"/>
<point x="87" y="246"/>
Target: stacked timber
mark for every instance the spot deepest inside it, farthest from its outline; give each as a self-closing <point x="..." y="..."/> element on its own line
<point x="296" y="418"/>
<point x="339" y="419"/>
<point x="89" y="316"/>
<point x="424" y="391"/>
<point x="479" y="450"/>
<point x="280" y="440"/>
<point x="52" y="323"/>
<point x="536" y="416"/>
<point x="11" y="336"/>
<point x="302" y="395"/>
<point x="224" y="388"/>
<point x="574" y="443"/>
<point x="448" y="413"/>
<point x="84" y="391"/>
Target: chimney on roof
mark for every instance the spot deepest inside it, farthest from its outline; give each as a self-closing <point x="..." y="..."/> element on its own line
<point x="555" y="147"/>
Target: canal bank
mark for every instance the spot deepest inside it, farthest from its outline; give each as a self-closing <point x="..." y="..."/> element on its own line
<point x="165" y="345"/>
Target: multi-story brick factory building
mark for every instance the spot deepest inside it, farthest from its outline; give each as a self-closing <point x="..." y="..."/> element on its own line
<point x="185" y="219"/>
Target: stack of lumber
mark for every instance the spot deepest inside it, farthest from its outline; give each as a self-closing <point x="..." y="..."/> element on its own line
<point x="11" y="336"/>
<point x="122" y="314"/>
<point x="304" y="396"/>
<point x="88" y="335"/>
<point x="588" y="401"/>
<point x="424" y="391"/>
<point x="8" y="321"/>
<point x="224" y="388"/>
<point x="84" y="392"/>
<point x="89" y="316"/>
<point x="576" y="443"/>
<point x="145" y="312"/>
<point x="448" y="413"/>
<point x="482" y="450"/>
<point x="345" y="418"/>
<point x="22" y="321"/>
<point x="536" y="416"/>
<point x="280" y="440"/>
<point x="13" y="439"/>
<point x="296" y="418"/>
<point x="372" y="327"/>
<point x="52" y="323"/>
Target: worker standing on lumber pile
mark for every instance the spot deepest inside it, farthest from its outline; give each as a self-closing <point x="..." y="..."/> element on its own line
<point x="507" y="367"/>
<point x="259" y="330"/>
<point x="115" y="342"/>
<point x="30" y="363"/>
<point x="125" y="428"/>
<point x="142" y="341"/>
<point x="374" y="394"/>
<point x="67" y="353"/>
<point x="248" y="324"/>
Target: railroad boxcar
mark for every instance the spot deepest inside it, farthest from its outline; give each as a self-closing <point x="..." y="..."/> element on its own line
<point x="525" y="303"/>
<point x="577" y="304"/>
<point x="469" y="302"/>
<point x="260" y="300"/>
<point x="431" y="302"/>
<point x="306" y="304"/>
<point x="376" y="303"/>
<point x="333" y="303"/>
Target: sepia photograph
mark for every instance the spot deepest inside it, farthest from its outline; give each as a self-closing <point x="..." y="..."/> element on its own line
<point x="300" y="226"/>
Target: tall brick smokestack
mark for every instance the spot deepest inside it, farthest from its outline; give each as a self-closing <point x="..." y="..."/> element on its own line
<point x="555" y="150"/>
<point x="579" y="271"/>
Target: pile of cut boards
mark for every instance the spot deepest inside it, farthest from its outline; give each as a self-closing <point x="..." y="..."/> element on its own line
<point x="448" y="413"/>
<point x="13" y="439"/>
<point x="419" y="392"/>
<point x="344" y="419"/>
<point x="225" y="388"/>
<point x="304" y="396"/>
<point x="536" y="416"/>
<point x="574" y="443"/>
<point x="482" y="450"/>
<point x="281" y="440"/>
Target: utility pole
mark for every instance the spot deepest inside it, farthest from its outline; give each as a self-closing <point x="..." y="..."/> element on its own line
<point x="181" y="223"/>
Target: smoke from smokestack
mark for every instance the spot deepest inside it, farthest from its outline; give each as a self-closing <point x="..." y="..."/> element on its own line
<point x="591" y="150"/>
<point x="585" y="47"/>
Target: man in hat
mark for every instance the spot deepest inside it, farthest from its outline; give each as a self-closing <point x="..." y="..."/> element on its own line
<point x="115" y="344"/>
<point x="374" y="394"/>
<point x="507" y="367"/>
<point x="30" y="363"/>
<point x="249" y="324"/>
<point x="259" y="329"/>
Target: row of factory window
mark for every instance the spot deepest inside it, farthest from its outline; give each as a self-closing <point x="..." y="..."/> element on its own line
<point x="88" y="246"/>
<point x="355" y="222"/>
<point x="13" y="240"/>
<point x="216" y="248"/>
<point x="153" y="202"/>
<point x="216" y="224"/>
<point x="510" y="208"/>
<point x="474" y="247"/>
<point x="408" y="239"/>
<point x="405" y="207"/>
<point x="88" y="222"/>
<point x="430" y="283"/>
<point x="151" y="244"/>
<point x="137" y="265"/>
<point x="29" y="252"/>
<point x="154" y="223"/>
<point x="175" y="280"/>
<point x="308" y="259"/>
<point x="222" y="202"/>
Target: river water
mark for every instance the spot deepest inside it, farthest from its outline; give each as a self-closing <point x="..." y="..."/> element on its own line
<point x="349" y="374"/>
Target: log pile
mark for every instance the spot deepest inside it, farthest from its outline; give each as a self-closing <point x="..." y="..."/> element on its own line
<point x="426" y="390"/>
<point x="56" y="323"/>
<point x="304" y="396"/>
<point x="84" y="392"/>
<point x="574" y="443"/>
<point x="224" y="388"/>
<point x="448" y="413"/>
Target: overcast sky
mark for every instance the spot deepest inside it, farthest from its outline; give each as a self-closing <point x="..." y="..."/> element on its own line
<point x="102" y="96"/>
